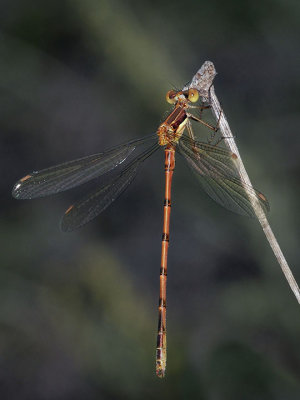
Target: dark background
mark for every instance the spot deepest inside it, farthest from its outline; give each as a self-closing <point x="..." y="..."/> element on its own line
<point x="78" y="312"/>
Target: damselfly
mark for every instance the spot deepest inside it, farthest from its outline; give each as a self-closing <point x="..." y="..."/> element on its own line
<point x="214" y="166"/>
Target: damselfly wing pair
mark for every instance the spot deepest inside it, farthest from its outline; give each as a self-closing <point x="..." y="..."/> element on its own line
<point x="214" y="166"/>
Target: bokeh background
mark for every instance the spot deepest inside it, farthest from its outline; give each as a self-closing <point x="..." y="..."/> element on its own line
<point x="78" y="312"/>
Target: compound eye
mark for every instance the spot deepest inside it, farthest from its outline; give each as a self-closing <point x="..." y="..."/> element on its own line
<point x="170" y="96"/>
<point x="193" y="95"/>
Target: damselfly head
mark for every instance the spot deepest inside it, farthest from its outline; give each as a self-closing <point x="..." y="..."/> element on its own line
<point x="191" y="95"/>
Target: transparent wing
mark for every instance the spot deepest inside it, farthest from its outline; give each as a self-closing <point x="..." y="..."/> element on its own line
<point x="74" y="173"/>
<point x="218" y="176"/>
<point x="98" y="200"/>
<point x="211" y="159"/>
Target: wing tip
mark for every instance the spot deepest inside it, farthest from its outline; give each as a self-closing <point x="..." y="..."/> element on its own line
<point x="64" y="225"/>
<point x="16" y="192"/>
<point x="17" y="189"/>
<point x="25" y="178"/>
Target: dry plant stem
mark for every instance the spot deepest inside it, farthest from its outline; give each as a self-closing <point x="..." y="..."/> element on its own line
<point x="230" y="142"/>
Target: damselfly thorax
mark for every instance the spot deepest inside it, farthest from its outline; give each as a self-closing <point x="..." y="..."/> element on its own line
<point x="171" y="130"/>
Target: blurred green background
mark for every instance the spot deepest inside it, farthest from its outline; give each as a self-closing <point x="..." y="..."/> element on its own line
<point x="78" y="312"/>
